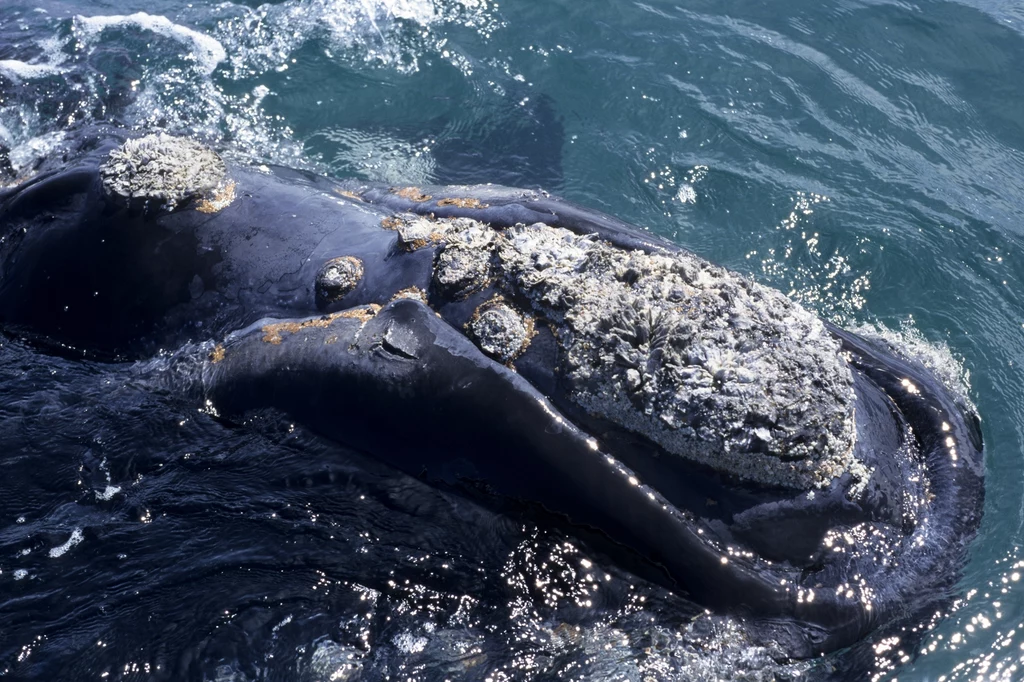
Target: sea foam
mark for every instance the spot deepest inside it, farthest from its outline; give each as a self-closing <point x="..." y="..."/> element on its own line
<point x="206" y="50"/>
<point x="76" y="537"/>
<point x="18" y="71"/>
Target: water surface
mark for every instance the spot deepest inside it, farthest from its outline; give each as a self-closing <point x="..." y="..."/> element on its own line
<point x="865" y="157"/>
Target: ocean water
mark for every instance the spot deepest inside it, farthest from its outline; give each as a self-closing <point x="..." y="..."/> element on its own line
<point x="866" y="157"/>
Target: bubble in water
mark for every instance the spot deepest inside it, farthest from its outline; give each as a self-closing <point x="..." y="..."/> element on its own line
<point x="392" y="34"/>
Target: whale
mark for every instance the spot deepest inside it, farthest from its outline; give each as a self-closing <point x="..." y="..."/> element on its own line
<point x="711" y="433"/>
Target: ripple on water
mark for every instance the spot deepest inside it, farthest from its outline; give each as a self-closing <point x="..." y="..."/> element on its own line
<point x="865" y="157"/>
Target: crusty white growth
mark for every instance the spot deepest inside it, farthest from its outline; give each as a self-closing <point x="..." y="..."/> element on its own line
<point x="162" y="168"/>
<point x="464" y="265"/>
<point x="500" y="330"/>
<point x="337" y="278"/>
<point x="707" y="364"/>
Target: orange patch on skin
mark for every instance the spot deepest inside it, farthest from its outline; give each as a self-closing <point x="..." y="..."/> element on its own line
<point x="395" y="223"/>
<point x="348" y="195"/>
<point x="364" y="314"/>
<point x="415" y="293"/>
<point x="462" y="203"/>
<point x="432" y="238"/>
<point x="218" y="354"/>
<point x="273" y="333"/>
<point x="218" y="200"/>
<point x="412" y="194"/>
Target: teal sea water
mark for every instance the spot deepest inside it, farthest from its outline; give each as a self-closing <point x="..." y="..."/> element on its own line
<point x="866" y="157"/>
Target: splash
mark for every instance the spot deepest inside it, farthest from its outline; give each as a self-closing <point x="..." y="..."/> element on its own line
<point x="391" y="34"/>
<point x="908" y="342"/>
<point x="379" y="157"/>
<point x="18" y="71"/>
<point x="25" y="155"/>
<point x="200" y="73"/>
<point x="204" y="50"/>
<point x="981" y="625"/>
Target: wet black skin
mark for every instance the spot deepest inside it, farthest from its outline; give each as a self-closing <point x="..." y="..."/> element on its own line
<point x="82" y="273"/>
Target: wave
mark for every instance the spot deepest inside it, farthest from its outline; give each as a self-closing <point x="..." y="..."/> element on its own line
<point x="205" y="49"/>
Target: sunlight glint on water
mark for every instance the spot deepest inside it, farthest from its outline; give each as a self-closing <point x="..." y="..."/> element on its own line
<point x="867" y="158"/>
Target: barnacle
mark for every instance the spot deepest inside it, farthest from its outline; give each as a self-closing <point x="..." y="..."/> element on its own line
<point x="165" y="169"/>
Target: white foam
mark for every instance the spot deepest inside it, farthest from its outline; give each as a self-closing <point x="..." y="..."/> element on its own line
<point x="390" y="33"/>
<point x="24" y="156"/>
<point x="19" y="71"/>
<point x="206" y="50"/>
<point x="20" y="574"/>
<point x="686" y="194"/>
<point x="380" y="158"/>
<point x="409" y="643"/>
<point x="108" y="492"/>
<point x="76" y="537"/>
<point x="936" y="357"/>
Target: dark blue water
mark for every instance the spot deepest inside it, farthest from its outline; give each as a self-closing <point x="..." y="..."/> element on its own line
<point x="865" y="157"/>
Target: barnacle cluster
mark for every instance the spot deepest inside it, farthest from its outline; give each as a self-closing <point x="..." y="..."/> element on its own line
<point x="704" y="362"/>
<point x="700" y="360"/>
<point x="337" y="278"/>
<point x="500" y="330"/>
<point x="165" y="170"/>
<point x="464" y="265"/>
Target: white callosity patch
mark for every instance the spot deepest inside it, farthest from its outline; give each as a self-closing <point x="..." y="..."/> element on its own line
<point x="337" y="278"/>
<point x="162" y="168"/>
<point x="415" y="232"/>
<point x="465" y="263"/>
<point x="500" y="331"/>
<point x="703" y="362"/>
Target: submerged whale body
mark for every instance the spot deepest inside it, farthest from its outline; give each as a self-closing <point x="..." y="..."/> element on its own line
<point x="511" y="345"/>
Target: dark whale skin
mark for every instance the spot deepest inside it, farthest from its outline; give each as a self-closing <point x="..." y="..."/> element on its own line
<point x="81" y="272"/>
